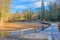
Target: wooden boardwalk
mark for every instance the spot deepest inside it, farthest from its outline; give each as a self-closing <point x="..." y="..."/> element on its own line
<point x="6" y="27"/>
<point x="18" y="26"/>
<point x="9" y="27"/>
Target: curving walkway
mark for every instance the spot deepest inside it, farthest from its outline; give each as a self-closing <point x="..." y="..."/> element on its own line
<point x="52" y="33"/>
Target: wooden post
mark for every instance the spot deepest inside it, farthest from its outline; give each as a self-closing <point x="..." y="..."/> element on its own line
<point x="2" y="34"/>
<point x="20" y="33"/>
<point x="7" y="33"/>
<point x="35" y="29"/>
<point x="59" y="26"/>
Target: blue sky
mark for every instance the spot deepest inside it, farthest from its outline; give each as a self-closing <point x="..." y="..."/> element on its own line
<point x="19" y="5"/>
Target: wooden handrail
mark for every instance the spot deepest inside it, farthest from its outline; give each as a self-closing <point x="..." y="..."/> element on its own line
<point x="19" y="26"/>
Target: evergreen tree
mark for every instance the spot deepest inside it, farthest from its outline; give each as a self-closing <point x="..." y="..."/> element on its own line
<point x="16" y="16"/>
<point x="42" y="10"/>
<point x="54" y="11"/>
<point x="53" y="15"/>
<point x="28" y="14"/>
<point x="46" y="15"/>
<point x="50" y="11"/>
<point x="25" y="12"/>
<point x="59" y="12"/>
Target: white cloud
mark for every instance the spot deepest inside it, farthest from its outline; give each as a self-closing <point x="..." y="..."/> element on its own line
<point x="21" y="7"/>
<point x="52" y="0"/>
<point x="38" y="4"/>
<point x="28" y="0"/>
<point x="32" y="0"/>
<point x="46" y="3"/>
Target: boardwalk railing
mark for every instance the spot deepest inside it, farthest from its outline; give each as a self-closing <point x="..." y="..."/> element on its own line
<point x="8" y="27"/>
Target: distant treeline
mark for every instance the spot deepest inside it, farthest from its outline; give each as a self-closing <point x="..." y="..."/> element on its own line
<point x="52" y="13"/>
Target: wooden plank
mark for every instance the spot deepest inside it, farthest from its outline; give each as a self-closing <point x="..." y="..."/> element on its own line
<point x="11" y="27"/>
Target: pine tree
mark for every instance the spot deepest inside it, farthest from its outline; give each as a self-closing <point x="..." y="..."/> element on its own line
<point x="16" y="16"/>
<point x="25" y="14"/>
<point x="42" y="10"/>
<point x="54" y="11"/>
<point x="59" y="12"/>
<point x="50" y="11"/>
